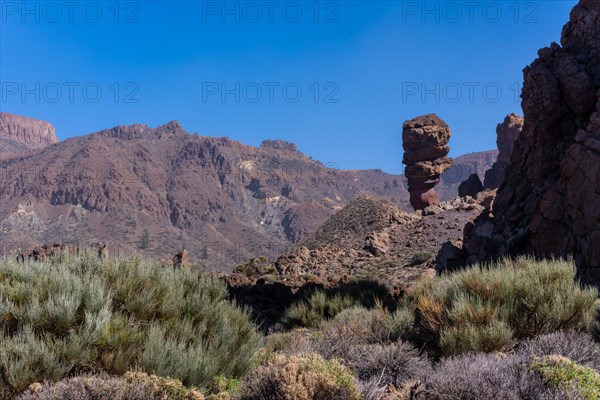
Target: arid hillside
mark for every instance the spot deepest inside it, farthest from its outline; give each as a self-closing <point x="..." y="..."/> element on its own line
<point x="157" y="190"/>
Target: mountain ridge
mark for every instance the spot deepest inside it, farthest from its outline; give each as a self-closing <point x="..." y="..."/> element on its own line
<point x="223" y="200"/>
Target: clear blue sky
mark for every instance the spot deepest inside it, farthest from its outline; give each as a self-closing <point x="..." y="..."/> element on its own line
<point x="363" y="68"/>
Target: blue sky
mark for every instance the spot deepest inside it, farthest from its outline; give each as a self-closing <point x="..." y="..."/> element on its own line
<point x="336" y="78"/>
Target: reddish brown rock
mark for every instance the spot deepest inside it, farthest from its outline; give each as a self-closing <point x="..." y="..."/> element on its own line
<point x="181" y="259"/>
<point x="26" y="130"/>
<point x="228" y="202"/>
<point x="425" y="141"/>
<point x="507" y="134"/>
<point x="549" y="204"/>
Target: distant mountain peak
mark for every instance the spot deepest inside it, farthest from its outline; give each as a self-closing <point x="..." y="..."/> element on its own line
<point x="278" y="145"/>
<point x="142" y="131"/>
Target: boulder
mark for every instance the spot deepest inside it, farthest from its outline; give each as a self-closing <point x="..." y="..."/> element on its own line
<point x="377" y="243"/>
<point x="470" y="187"/>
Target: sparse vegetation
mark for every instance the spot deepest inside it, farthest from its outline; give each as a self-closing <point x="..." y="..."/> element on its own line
<point x="496" y="331"/>
<point x="490" y="308"/>
<point x="419" y="258"/>
<point x="133" y="386"/>
<point x="396" y="363"/>
<point x="90" y="315"/>
<point x="301" y="377"/>
<point x="145" y="240"/>
<point x="479" y="376"/>
<point x="317" y="308"/>
<point x="323" y="305"/>
<point x="560" y="372"/>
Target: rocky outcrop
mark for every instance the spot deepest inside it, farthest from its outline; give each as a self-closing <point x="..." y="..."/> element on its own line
<point x="25" y="130"/>
<point x="224" y="201"/>
<point x="425" y="142"/>
<point x="470" y="187"/>
<point x="141" y="131"/>
<point x="181" y="259"/>
<point x="49" y="252"/>
<point x="372" y="238"/>
<point x="278" y="145"/>
<point x="377" y="243"/>
<point x="507" y="134"/>
<point x="549" y="204"/>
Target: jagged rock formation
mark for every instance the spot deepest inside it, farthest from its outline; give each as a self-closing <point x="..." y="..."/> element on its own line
<point x="425" y="142"/>
<point x="371" y="237"/>
<point x="278" y="145"/>
<point x="507" y="134"/>
<point x="223" y="201"/>
<point x="470" y="187"/>
<point x="549" y="204"/>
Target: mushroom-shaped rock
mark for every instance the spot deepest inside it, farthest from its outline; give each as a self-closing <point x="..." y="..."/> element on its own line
<point x="425" y="142"/>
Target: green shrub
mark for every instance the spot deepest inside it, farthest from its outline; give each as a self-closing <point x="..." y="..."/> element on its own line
<point x="322" y="305"/>
<point x="224" y="388"/>
<point x="561" y="372"/>
<point x="419" y="258"/>
<point x="89" y="315"/>
<point x="317" y="308"/>
<point x="305" y="377"/>
<point x="493" y="336"/>
<point x="489" y="308"/>
<point x="351" y="328"/>
<point x="593" y="323"/>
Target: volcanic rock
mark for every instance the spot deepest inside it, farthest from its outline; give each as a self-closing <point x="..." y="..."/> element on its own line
<point x="181" y="259"/>
<point x="26" y="130"/>
<point x="377" y="243"/>
<point x="20" y="135"/>
<point x="278" y="145"/>
<point x="371" y="237"/>
<point x="549" y="204"/>
<point x="425" y="142"/>
<point x="222" y="200"/>
<point x="225" y="201"/>
<point x="470" y="187"/>
<point x="507" y="134"/>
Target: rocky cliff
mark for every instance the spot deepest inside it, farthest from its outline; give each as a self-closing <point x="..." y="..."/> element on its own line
<point x="507" y="134"/>
<point x="22" y="133"/>
<point x="549" y="204"/>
